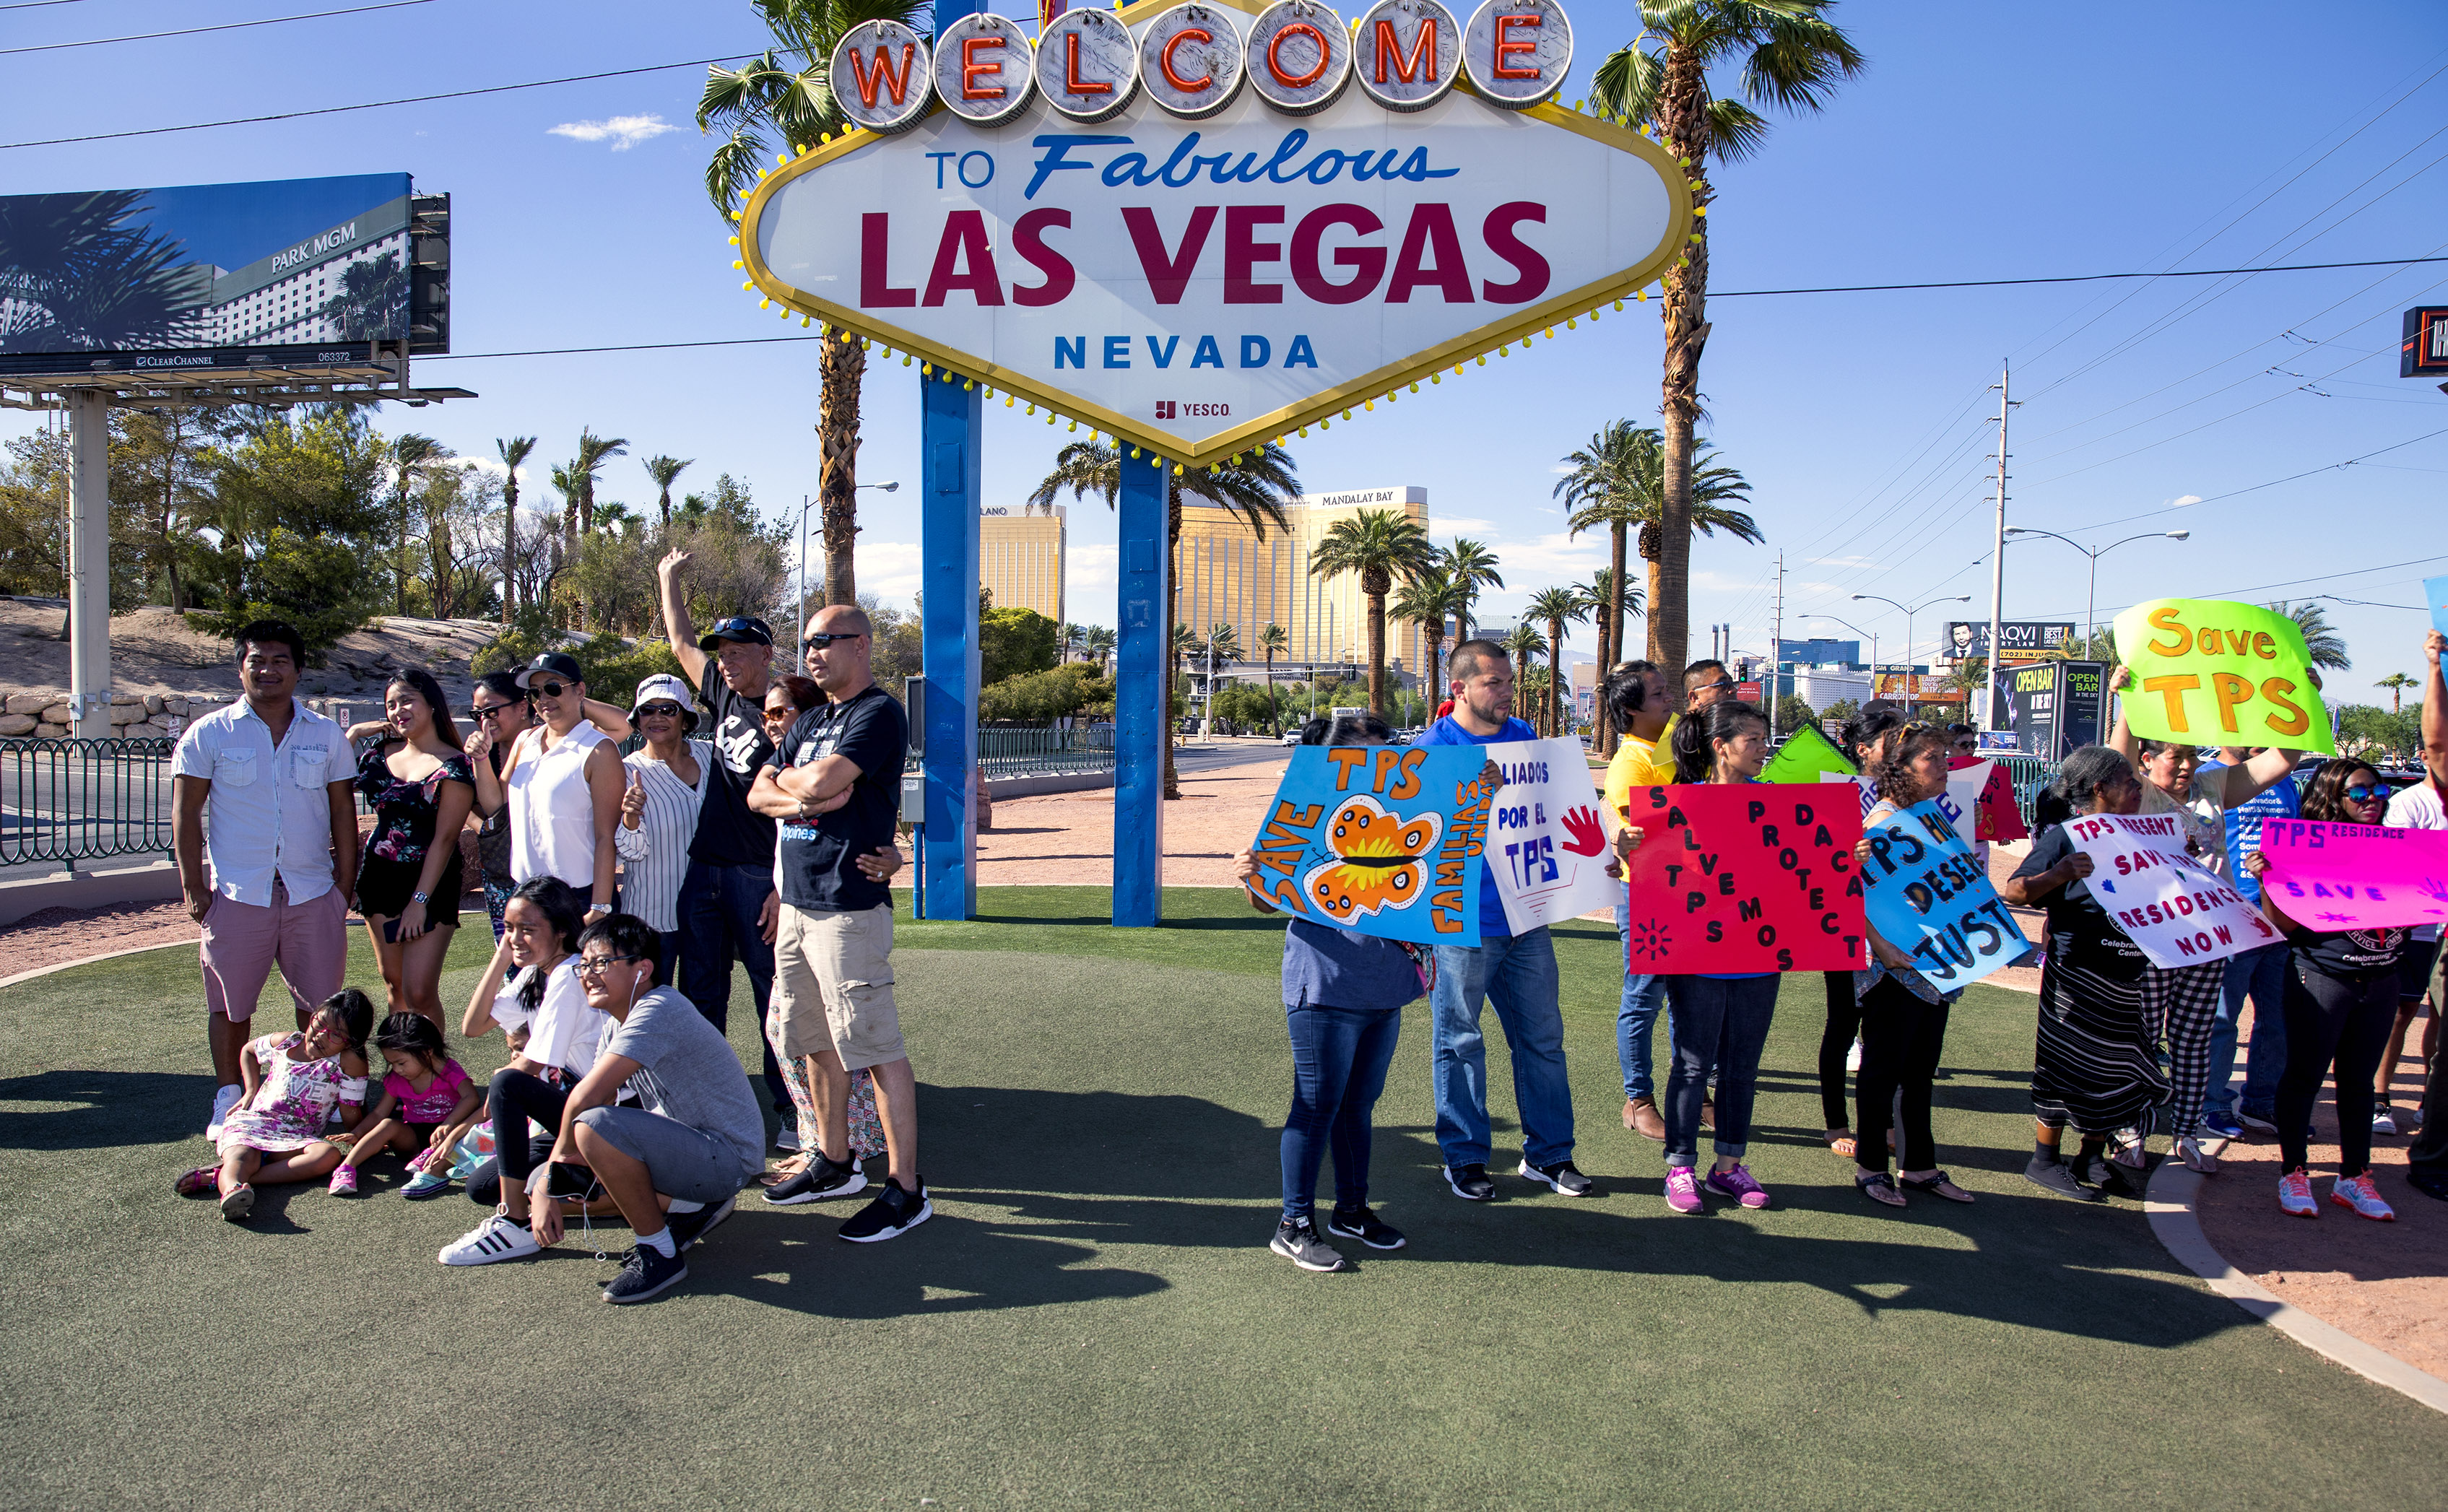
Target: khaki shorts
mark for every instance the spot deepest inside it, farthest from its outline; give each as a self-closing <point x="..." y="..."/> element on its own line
<point x="832" y="987"/>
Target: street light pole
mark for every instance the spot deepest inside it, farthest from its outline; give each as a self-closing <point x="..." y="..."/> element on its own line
<point x="1874" y="645"/>
<point x="2090" y="597"/>
<point x="806" y="503"/>
<point x="1961" y="597"/>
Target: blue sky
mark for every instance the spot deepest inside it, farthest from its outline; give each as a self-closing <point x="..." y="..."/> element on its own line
<point x="1984" y="141"/>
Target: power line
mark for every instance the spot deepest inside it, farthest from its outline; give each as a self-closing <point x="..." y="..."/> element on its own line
<point x="37" y="5"/>
<point x="374" y="105"/>
<point x="2072" y="278"/>
<point x="2233" y="493"/>
<point x="227" y="25"/>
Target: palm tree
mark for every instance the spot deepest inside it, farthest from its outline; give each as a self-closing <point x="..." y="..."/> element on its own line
<point x="1472" y="567"/>
<point x="1790" y="56"/>
<point x="1621" y="482"/>
<point x="2329" y="648"/>
<point x="1559" y="607"/>
<point x="1253" y="484"/>
<point x="592" y="451"/>
<point x="1524" y="642"/>
<point x="1274" y="643"/>
<point x="1603" y="488"/>
<point x="513" y="453"/>
<point x="1428" y="600"/>
<point x="663" y="470"/>
<point x="1224" y="640"/>
<point x="409" y="456"/>
<point x="1098" y="644"/>
<point x="1377" y="544"/>
<point x="372" y="304"/>
<point x="786" y="96"/>
<point x="2396" y="682"/>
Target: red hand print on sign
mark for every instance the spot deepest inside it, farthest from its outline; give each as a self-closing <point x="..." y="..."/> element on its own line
<point x="1588" y="834"/>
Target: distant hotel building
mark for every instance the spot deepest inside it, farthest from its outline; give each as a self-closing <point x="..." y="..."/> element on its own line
<point x="279" y="300"/>
<point x="1020" y="559"/>
<point x="1229" y="576"/>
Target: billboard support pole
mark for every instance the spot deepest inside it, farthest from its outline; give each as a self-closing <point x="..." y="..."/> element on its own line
<point x="1998" y="561"/>
<point x="952" y="419"/>
<point x="89" y="563"/>
<point x="1142" y="693"/>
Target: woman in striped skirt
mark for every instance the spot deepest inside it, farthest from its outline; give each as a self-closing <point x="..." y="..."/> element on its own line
<point x="666" y="783"/>
<point x="2096" y="1066"/>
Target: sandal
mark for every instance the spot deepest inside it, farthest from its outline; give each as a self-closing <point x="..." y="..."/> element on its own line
<point x="1841" y="1141"/>
<point x="197" y="1181"/>
<point x="1939" y="1185"/>
<point x="1880" y="1187"/>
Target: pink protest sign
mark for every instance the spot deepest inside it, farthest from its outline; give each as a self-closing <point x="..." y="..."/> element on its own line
<point x="2356" y="876"/>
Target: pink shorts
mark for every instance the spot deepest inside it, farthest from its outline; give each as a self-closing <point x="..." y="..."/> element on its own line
<point x="242" y="941"/>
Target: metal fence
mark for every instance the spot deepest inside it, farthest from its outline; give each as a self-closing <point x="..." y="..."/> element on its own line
<point x="68" y="801"/>
<point x="1042" y="753"/>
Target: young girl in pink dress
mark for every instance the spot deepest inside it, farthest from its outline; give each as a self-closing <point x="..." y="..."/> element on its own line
<point x="293" y="1082"/>
<point x="427" y="1105"/>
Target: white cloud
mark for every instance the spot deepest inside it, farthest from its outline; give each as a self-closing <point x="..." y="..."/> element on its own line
<point x="1452" y="526"/>
<point x="1842" y="561"/>
<point x="1562" y="467"/>
<point x="1089" y="572"/>
<point x="624" y="132"/>
<point x="894" y="569"/>
<point x="2180" y="503"/>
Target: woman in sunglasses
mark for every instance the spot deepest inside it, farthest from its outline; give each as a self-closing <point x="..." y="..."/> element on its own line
<point x="565" y="782"/>
<point x="2340" y="1002"/>
<point x="667" y="782"/>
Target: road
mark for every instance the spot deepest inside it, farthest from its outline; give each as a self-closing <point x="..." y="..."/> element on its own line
<point x="1219" y="752"/>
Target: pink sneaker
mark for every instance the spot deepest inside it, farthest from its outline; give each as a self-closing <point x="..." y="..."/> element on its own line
<point x="2358" y="1193"/>
<point x="2295" y="1195"/>
<point x="1683" y="1189"/>
<point x="1737" y="1183"/>
<point x="344" y="1181"/>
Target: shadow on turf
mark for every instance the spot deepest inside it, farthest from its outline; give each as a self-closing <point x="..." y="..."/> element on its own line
<point x="104" y="1109"/>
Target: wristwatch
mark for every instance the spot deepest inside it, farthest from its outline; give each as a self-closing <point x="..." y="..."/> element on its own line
<point x="419" y="897"/>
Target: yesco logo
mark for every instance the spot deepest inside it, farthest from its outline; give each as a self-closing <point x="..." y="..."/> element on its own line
<point x="1193" y="60"/>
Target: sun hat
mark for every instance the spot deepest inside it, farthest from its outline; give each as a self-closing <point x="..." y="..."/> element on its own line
<point x="664" y="685"/>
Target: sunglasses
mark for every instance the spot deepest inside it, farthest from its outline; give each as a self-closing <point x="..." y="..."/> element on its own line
<point x="596" y="965"/>
<point x="733" y="627"/>
<point x="667" y="711"/>
<point x="2361" y="793"/>
<point x="1712" y="687"/>
<point x="821" y="639"/>
<point x="486" y="711"/>
<point x="548" y="690"/>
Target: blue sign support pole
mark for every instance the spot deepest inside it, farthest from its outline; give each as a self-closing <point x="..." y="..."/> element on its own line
<point x="951" y="434"/>
<point x="1142" y="701"/>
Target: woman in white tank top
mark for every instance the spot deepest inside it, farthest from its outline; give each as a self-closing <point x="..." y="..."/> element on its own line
<point x="564" y="783"/>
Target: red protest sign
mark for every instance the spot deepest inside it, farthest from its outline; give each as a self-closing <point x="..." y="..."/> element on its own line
<point x="1745" y="877"/>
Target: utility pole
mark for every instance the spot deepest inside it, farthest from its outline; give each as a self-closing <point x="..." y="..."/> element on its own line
<point x="1997" y="561"/>
<point x="1776" y="649"/>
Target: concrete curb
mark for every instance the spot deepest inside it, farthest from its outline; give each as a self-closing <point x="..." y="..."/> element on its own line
<point x="107" y="955"/>
<point x="2170" y="1204"/>
<point x="155" y="881"/>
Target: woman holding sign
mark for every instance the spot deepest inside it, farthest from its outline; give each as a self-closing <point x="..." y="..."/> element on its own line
<point x="2341" y="1004"/>
<point x="2096" y="1065"/>
<point x="1720" y="1021"/>
<point x="2181" y="1004"/>
<point x="1903" y="1015"/>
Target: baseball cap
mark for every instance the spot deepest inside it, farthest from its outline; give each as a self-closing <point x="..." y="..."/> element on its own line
<point x="664" y="685"/>
<point x="553" y="663"/>
<point x="745" y="628"/>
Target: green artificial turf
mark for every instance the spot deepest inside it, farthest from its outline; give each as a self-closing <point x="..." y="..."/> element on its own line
<point x="1091" y="1318"/>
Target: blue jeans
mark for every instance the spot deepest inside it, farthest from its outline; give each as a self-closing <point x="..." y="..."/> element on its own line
<point x="1517" y="974"/>
<point x="1635" y="1020"/>
<point x="1339" y="1060"/>
<point x="1720" y="1024"/>
<point x="2262" y="973"/>
<point x="717" y="909"/>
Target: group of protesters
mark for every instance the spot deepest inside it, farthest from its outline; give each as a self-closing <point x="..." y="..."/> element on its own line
<point x="621" y="893"/>
<point x="756" y="824"/>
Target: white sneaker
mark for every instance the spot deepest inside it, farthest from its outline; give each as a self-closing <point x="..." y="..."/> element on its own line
<point x="2196" y="1157"/>
<point x="2383" y="1119"/>
<point x="496" y="1238"/>
<point x="1853" y="1057"/>
<point x="2360" y="1194"/>
<point x="2126" y="1148"/>
<point x="223" y="1101"/>
<point x="2295" y="1195"/>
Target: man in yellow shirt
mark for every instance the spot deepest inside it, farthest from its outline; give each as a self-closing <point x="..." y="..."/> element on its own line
<point x="1637" y="700"/>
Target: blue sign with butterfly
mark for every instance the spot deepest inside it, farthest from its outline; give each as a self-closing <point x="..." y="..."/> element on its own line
<point x="1384" y="840"/>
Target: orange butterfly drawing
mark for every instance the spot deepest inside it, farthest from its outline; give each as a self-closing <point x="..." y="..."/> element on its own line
<point x="1376" y="860"/>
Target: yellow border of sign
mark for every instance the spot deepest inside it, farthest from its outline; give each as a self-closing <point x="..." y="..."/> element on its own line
<point x="1328" y="403"/>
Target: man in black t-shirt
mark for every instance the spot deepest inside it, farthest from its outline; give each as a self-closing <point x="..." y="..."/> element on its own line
<point x="835" y="786"/>
<point x="728" y="908"/>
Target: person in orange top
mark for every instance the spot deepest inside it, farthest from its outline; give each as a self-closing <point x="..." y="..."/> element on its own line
<point x="1637" y="700"/>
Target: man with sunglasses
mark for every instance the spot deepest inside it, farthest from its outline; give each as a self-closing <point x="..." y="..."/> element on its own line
<point x="835" y="785"/>
<point x="728" y="908"/>
<point x="1703" y="683"/>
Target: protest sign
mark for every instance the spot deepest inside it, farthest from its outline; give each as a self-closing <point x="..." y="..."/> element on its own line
<point x="2211" y="672"/>
<point x="2434" y="593"/>
<point x="1985" y="790"/>
<point x="1808" y="756"/>
<point x="1547" y="842"/>
<point x="1928" y="897"/>
<point x="2171" y="905"/>
<point x="1744" y="877"/>
<point x="2356" y="876"/>
<point x="1382" y="839"/>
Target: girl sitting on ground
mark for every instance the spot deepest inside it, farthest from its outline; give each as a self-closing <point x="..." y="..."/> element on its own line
<point x="428" y="1104"/>
<point x="293" y="1082"/>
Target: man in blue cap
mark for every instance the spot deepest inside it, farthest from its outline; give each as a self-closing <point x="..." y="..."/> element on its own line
<point x="728" y="908"/>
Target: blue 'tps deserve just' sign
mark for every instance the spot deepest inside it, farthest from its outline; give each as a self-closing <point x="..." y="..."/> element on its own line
<point x="1928" y="897"/>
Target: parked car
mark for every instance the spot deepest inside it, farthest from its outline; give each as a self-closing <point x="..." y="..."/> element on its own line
<point x="1292" y="736"/>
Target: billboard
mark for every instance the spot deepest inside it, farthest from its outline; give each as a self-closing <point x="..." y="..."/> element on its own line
<point x="1820" y="652"/>
<point x="1203" y="226"/>
<point x="2424" y="351"/>
<point x="287" y="272"/>
<point x="2029" y="638"/>
<point x="2052" y="709"/>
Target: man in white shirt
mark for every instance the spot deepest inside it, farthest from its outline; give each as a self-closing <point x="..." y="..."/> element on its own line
<point x="272" y="875"/>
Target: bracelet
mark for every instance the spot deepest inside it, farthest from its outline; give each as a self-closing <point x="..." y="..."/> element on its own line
<point x="419" y="897"/>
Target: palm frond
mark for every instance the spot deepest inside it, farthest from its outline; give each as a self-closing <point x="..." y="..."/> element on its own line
<point x="1735" y="130"/>
<point x="1799" y="57"/>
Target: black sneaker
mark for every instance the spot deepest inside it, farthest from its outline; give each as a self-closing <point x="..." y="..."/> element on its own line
<point x="817" y="1179"/>
<point x="687" y="1228"/>
<point x="1470" y="1182"/>
<point x="2111" y="1178"/>
<point x="2053" y="1176"/>
<point x="1299" y="1243"/>
<point x="646" y="1273"/>
<point x="893" y="1212"/>
<point x="1361" y="1224"/>
<point x="1561" y="1176"/>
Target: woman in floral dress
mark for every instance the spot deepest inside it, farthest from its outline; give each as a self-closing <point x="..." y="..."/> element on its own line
<point x="409" y="882"/>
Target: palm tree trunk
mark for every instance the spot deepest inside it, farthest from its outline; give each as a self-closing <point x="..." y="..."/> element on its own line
<point x="1555" y="677"/>
<point x="399" y="563"/>
<point x="1377" y="654"/>
<point x="509" y="546"/>
<point x="1274" y="715"/>
<point x="1435" y="687"/>
<point x="843" y="365"/>
<point x="1683" y="113"/>
<point x="1619" y="560"/>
